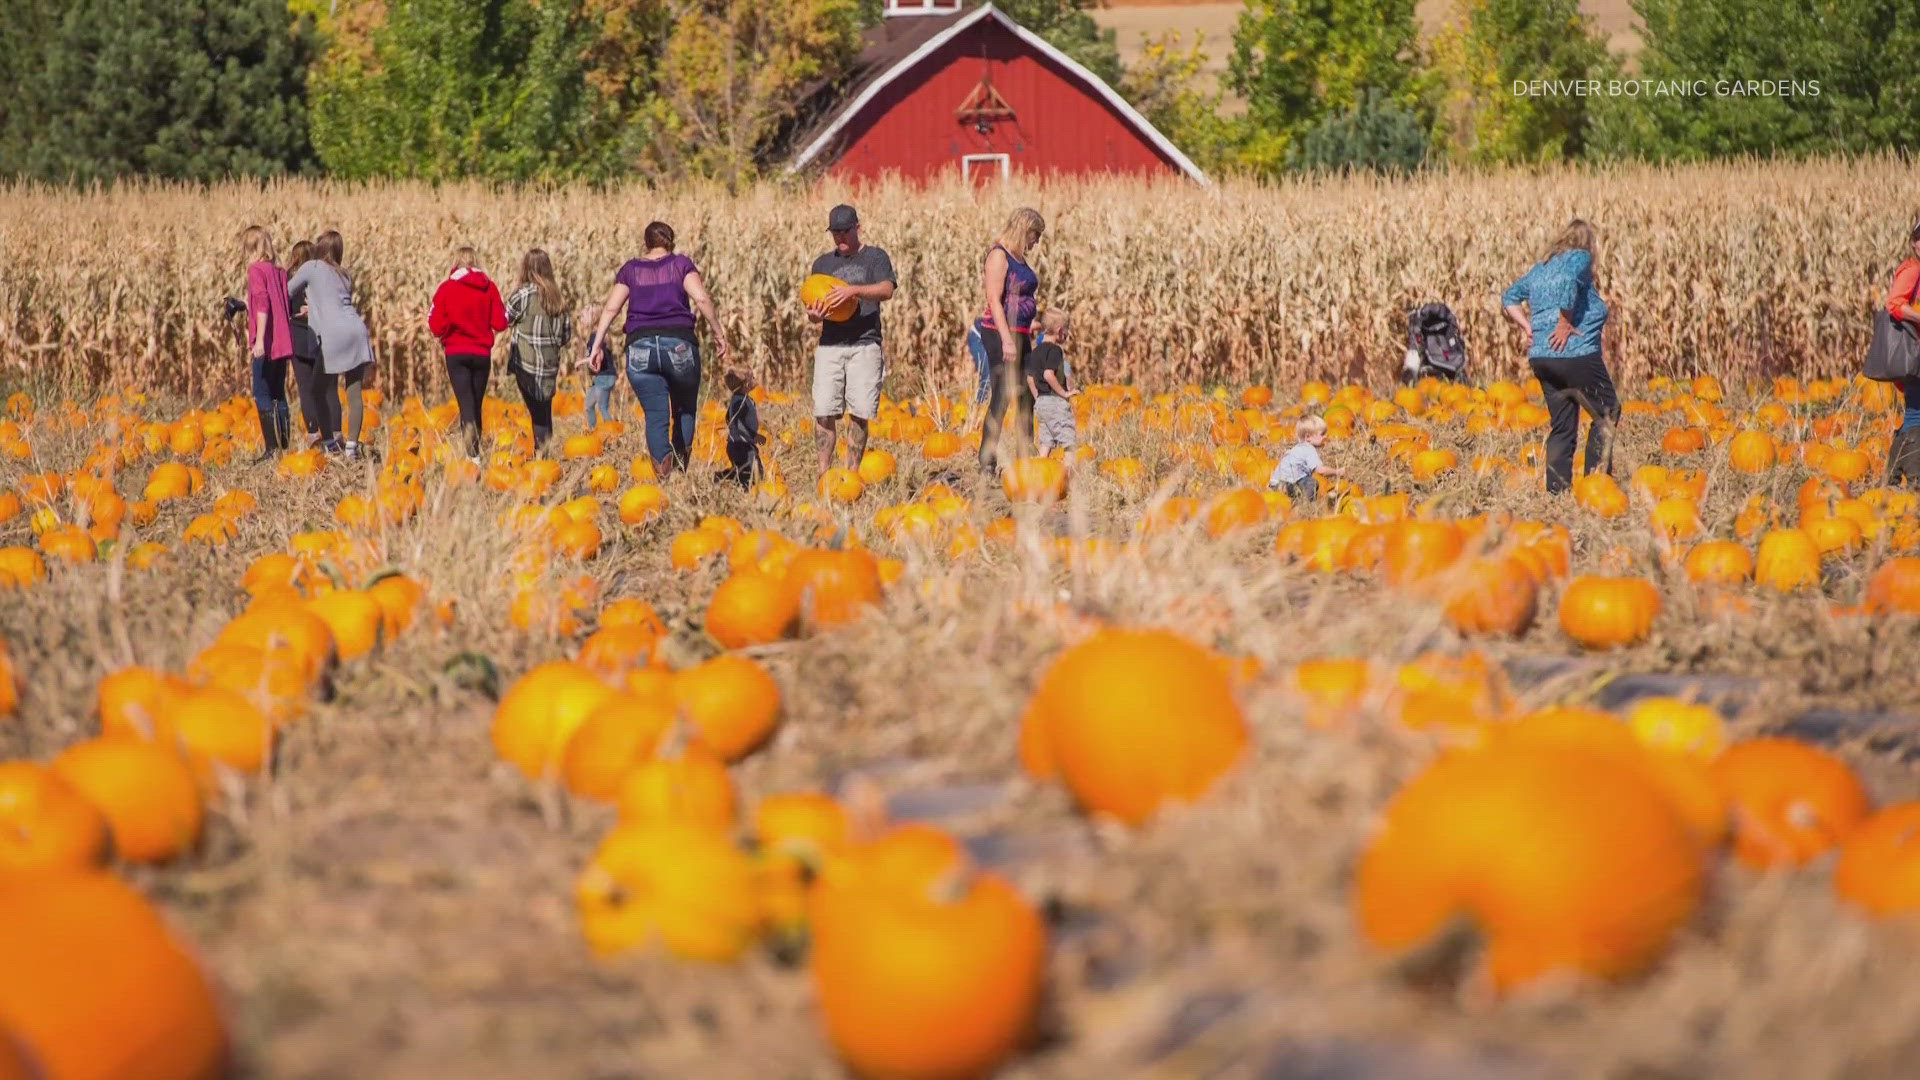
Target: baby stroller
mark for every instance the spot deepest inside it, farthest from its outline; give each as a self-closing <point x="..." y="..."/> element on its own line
<point x="1434" y="345"/>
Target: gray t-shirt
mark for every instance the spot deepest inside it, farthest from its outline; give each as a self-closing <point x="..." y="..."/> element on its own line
<point x="867" y="266"/>
<point x="1298" y="464"/>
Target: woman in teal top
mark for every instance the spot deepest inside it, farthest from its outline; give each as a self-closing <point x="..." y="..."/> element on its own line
<point x="1556" y="305"/>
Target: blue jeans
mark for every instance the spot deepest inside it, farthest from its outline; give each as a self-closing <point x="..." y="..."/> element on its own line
<point x="1910" y="420"/>
<point x="665" y="375"/>
<point x="600" y="397"/>
<point x="979" y="352"/>
<point x="270" y="397"/>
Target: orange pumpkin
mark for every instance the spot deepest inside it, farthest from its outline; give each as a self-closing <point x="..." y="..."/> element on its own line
<point x="690" y="788"/>
<point x="1235" y="509"/>
<point x="1752" y="452"/>
<point x="687" y="888"/>
<point x="752" y="608"/>
<point x="1491" y="596"/>
<point x="1330" y="688"/>
<point x="1791" y="801"/>
<point x="541" y="711"/>
<point x="814" y="290"/>
<point x="1719" y="562"/>
<point x="1565" y="860"/>
<point x="1035" y="480"/>
<point x="620" y="733"/>
<point x="1418" y="550"/>
<point x="1894" y="588"/>
<point x="145" y="789"/>
<point x="1879" y="865"/>
<point x="930" y="972"/>
<point x="1788" y="560"/>
<point x="834" y="587"/>
<point x="732" y="703"/>
<point x="841" y="484"/>
<point x="45" y="823"/>
<point x="1601" y="494"/>
<point x="1604" y="613"/>
<point x="96" y="985"/>
<point x="1102" y="706"/>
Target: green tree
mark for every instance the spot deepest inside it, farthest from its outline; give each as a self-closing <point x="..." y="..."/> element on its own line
<point x="1298" y="62"/>
<point x="1164" y="85"/>
<point x="733" y="73"/>
<point x="1861" y="53"/>
<point x="458" y="88"/>
<point x="1067" y="26"/>
<point x="1376" y="135"/>
<point x="1491" y="46"/>
<point x="193" y="90"/>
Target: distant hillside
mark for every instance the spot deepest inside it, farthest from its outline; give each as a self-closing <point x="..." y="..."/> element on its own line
<point x="1134" y="22"/>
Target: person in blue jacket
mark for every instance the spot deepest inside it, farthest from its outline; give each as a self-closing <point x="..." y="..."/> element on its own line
<point x="1556" y="305"/>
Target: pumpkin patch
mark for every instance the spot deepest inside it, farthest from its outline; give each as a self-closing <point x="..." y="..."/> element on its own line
<point x="924" y="770"/>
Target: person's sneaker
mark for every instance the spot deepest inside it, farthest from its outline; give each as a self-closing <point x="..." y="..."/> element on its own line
<point x="333" y="448"/>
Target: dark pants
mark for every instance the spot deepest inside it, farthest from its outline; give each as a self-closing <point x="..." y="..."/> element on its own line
<point x="315" y="413"/>
<point x="468" y="374"/>
<point x="744" y="465"/>
<point x="1304" y="490"/>
<point x="1009" y="388"/>
<point x="1903" y="454"/>
<point x="1572" y="385"/>
<point x="664" y="372"/>
<point x="270" y="397"/>
<point x="539" y="409"/>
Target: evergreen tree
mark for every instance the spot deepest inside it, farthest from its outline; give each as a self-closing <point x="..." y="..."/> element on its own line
<point x="1497" y="43"/>
<point x="1860" y="52"/>
<point x="1376" y="135"/>
<point x="1299" y="62"/>
<point x="194" y="90"/>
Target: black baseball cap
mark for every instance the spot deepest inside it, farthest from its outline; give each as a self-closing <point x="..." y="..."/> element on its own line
<point x="842" y="218"/>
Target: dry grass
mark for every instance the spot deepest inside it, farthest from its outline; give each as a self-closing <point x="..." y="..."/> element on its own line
<point x="1739" y="270"/>
<point x="390" y="904"/>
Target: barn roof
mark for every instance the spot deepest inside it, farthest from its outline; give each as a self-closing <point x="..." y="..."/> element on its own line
<point x="897" y="46"/>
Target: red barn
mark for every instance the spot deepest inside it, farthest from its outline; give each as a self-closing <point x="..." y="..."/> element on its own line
<point x="943" y="90"/>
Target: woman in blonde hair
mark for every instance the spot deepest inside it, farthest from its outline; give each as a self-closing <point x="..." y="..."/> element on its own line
<point x="1010" y="289"/>
<point x="269" y="338"/>
<point x="541" y="321"/>
<point x="1557" y="306"/>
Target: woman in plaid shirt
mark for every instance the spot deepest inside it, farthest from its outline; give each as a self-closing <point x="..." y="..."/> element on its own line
<point x="541" y="320"/>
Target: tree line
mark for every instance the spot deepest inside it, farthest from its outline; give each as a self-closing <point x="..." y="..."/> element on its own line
<point x="555" y="90"/>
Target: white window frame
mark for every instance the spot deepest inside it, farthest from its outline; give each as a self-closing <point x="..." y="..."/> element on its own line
<point x="967" y="161"/>
<point x="921" y="7"/>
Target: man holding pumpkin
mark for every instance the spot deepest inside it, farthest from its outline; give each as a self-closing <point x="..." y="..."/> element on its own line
<point x="848" y="364"/>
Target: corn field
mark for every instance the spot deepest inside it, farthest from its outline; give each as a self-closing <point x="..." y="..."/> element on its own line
<point x="1742" y="270"/>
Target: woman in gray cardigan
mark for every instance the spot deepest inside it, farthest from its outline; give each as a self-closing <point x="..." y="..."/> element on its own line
<point x="346" y="351"/>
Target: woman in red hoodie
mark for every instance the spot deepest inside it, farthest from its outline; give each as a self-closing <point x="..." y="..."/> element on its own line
<point x="467" y="313"/>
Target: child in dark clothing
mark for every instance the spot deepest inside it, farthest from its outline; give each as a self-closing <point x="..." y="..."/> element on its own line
<point x="744" y="438"/>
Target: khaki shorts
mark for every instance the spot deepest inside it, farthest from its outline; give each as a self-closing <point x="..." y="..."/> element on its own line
<point x="1053" y="415"/>
<point x="846" y="378"/>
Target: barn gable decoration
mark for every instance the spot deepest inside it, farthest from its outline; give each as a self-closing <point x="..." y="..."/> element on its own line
<point x="943" y="90"/>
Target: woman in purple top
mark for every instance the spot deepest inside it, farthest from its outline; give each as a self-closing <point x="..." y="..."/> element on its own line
<point x="660" y="291"/>
<point x="269" y="338"/>
<point x="1009" y="289"/>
